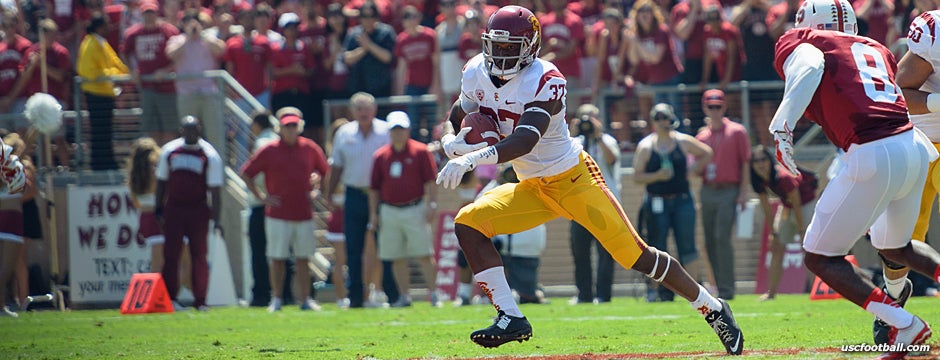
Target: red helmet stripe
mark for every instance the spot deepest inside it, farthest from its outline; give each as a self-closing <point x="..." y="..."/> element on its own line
<point x="931" y="25"/>
<point x="841" y="15"/>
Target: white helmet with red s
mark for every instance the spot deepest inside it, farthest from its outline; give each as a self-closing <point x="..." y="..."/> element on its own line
<point x="836" y="15"/>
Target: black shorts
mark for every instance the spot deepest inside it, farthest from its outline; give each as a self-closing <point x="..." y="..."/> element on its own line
<point x="32" y="223"/>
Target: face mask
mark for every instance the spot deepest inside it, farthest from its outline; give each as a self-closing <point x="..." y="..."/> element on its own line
<point x="467" y="194"/>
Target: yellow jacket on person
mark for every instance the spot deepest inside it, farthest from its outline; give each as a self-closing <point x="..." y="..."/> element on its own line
<point x="96" y="59"/>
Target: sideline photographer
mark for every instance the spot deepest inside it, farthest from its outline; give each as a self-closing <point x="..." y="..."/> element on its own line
<point x="589" y="131"/>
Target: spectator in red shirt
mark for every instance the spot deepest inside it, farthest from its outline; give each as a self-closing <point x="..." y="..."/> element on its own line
<point x="248" y="57"/>
<point x="65" y="14"/>
<point x="605" y="46"/>
<point x="291" y="63"/>
<point x="687" y="19"/>
<point x="189" y="169"/>
<point x="418" y="58"/>
<point x="261" y="24"/>
<point x="724" y="50"/>
<point x="750" y="18"/>
<point x="144" y="48"/>
<point x="313" y="33"/>
<point x="58" y="82"/>
<point x="653" y="54"/>
<point x="875" y="20"/>
<point x="403" y="172"/>
<point x="562" y="38"/>
<point x="471" y="42"/>
<point x="12" y="49"/>
<point x="292" y="168"/>
<point x="337" y="26"/>
<point x="724" y="186"/>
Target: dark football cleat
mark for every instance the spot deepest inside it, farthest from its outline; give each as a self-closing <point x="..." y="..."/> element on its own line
<point x="880" y="329"/>
<point x="505" y="328"/>
<point x="727" y="329"/>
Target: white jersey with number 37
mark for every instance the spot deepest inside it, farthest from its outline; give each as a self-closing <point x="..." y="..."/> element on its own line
<point x="922" y="41"/>
<point x="541" y="81"/>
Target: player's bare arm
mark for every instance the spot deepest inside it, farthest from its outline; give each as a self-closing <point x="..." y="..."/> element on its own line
<point x="532" y="124"/>
<point x="913" y="71"/>
<point x="642" y="157"/>
<point x="701" y="152"/>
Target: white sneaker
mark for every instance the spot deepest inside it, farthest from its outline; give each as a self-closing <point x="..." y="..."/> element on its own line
<point x="8" y="313"/>
<point x="275" y="305"/>
<point x="915" y="334"/>
<point x="203" y="308"/>
<point x="310" y="304"/>
<point x="378" y="296"/>
<point x="436" y="299"/>
<point x="343" y="303"/>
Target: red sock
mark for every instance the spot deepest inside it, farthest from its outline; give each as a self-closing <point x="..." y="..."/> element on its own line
<point x="883" y="307"/>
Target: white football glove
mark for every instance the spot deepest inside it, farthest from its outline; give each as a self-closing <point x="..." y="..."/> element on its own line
<point x="453" y="171"/>
<point x="456" y="145"/>
<point x="784" y="141"/>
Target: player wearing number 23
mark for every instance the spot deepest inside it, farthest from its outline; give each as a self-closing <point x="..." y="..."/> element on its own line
<point x="526" y="96"/>
<point x="845" y="83"/>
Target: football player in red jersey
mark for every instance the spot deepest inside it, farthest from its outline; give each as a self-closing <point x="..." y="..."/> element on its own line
<point x="526" y="95"/>
<point x="845" y="83"/>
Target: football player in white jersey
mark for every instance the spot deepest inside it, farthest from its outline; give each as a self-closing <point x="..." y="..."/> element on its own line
<point x="526" y="96"/>
<point x="919" y="78"/>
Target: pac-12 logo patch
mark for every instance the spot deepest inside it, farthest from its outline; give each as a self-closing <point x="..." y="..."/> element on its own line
<point x="480" y="94"/>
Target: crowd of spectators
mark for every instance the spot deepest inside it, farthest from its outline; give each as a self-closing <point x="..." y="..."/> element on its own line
<point x="298" y="53"/>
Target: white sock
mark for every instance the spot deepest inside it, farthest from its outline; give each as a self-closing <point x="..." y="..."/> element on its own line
<point x="705" y="302"/>
<point x="464" y="289"/>
<point x="896" y="286"/>
<point x="276" y="300"/>
<point x="886" y="309"/>
<point x="494" y="285"/>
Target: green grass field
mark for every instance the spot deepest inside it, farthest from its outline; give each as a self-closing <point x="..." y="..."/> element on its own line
<point x="789" y="327"/>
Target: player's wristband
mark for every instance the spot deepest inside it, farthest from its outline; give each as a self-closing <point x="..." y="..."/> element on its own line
<point x="933" y="102"/>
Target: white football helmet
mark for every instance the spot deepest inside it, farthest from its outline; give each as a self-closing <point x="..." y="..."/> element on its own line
<point x="836" y="15"/>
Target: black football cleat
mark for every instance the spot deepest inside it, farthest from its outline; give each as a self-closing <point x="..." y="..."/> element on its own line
<point x="880" y="329"/>
<point x="505" y="328"/>
<point x="727" y="329"/>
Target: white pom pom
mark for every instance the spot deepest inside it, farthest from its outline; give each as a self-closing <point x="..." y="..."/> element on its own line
<point x="44" y="112"/>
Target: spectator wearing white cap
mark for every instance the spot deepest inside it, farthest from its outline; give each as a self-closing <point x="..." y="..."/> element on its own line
<point x="292" y="168"/>
<point x="402" y="204"/>
<point x="291" y="64"/>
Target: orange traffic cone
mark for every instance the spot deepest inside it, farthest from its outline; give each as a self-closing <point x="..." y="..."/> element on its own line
<point x="146" y="294"/>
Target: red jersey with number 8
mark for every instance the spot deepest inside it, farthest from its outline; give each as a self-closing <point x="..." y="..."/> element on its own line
<point x="857" y="100"/>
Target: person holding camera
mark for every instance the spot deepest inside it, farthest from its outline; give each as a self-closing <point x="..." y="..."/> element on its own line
<point x="660" y="163"/>
<point x="588" y="130"/>
<point x="192" y="53"/>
